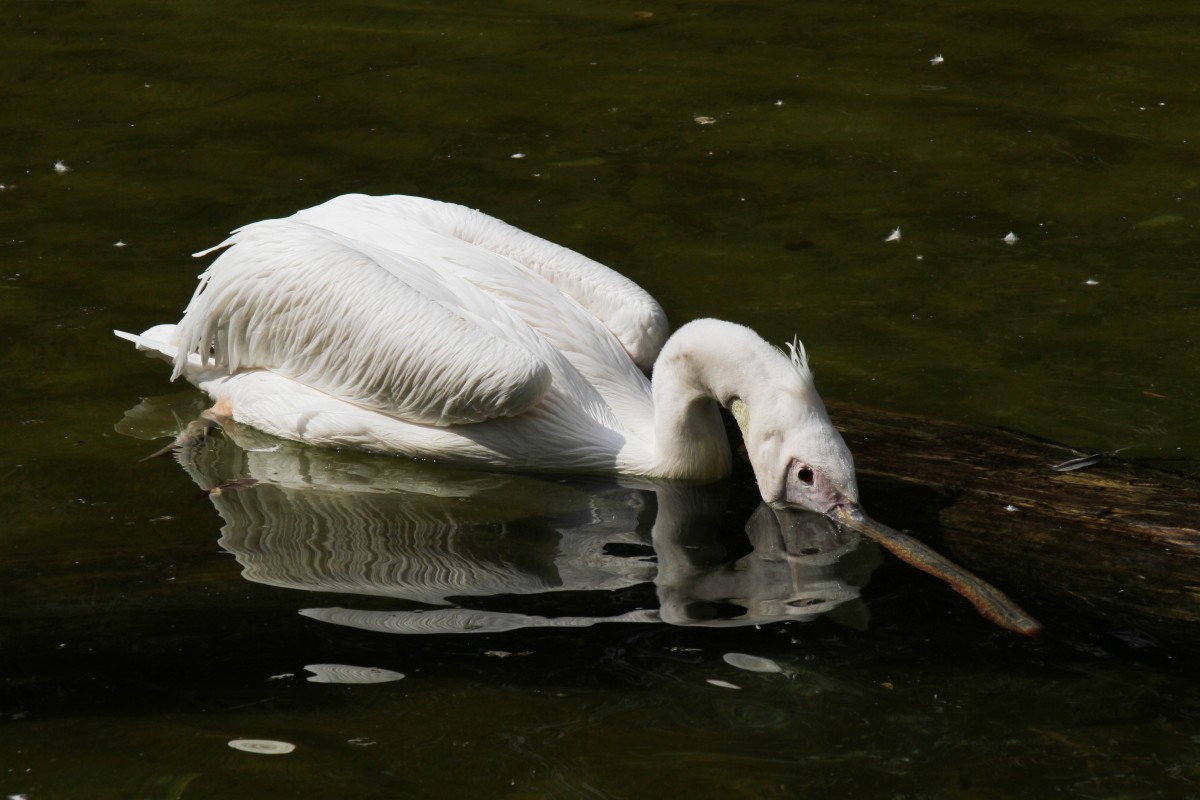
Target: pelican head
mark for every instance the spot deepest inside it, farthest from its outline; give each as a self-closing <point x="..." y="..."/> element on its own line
<point x="799" y="458"/>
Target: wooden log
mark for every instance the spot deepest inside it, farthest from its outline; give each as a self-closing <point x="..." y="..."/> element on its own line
<point x="1114" y="546"/>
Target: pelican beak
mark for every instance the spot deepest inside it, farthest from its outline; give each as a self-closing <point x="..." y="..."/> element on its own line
<point x="987" y="599"/>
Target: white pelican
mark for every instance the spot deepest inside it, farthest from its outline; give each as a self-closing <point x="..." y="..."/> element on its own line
<point x="414" y="327"/>
<point x="425" y="329"/>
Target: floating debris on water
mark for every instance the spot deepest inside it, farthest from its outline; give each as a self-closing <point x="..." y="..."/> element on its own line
<point x="723" y="684"/>
<point x="1158" y="222"/>
<point x="752" y="663"/>
<point x="894" y="236"/>
<point x="1091" y="282"/>
<point x="704" y="120"/>
<point x="936" y="59"/>
<point x="1083" y="462"/>
<point x="263" y="747"/>
<point x="1011" y="238"/>
<point x="345" y="673"/>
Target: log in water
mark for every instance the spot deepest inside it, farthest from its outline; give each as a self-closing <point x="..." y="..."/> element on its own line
<point x="1116" y="544"/>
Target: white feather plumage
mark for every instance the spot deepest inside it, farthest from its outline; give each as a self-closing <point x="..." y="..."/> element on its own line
<point x="414" y="327"/>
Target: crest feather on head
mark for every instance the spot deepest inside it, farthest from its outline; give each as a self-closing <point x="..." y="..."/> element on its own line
<point x="798" y="357"/>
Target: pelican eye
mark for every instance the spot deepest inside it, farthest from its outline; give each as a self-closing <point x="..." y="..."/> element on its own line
<point x="805" y="475"/>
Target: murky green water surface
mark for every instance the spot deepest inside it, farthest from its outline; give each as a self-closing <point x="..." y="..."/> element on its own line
<point x="743" y="160"/>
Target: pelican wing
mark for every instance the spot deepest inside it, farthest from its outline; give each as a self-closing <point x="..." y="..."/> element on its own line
<point x="620" y="305"/>
<point x="497" y="288"/>
<point x="373" y="327"/>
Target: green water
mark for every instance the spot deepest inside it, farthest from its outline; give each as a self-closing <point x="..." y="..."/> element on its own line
<point x="744" y="160"/>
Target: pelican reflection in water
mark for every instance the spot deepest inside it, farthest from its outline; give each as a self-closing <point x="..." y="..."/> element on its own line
<point x="449" y="544"/>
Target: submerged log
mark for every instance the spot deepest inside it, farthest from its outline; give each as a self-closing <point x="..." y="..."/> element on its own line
<point x="1115" y="544"/>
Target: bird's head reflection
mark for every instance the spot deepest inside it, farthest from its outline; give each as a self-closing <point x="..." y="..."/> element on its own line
<point x="800" y="566"/>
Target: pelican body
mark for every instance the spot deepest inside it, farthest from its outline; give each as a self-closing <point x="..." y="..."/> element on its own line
<point x="425" y="329"/>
